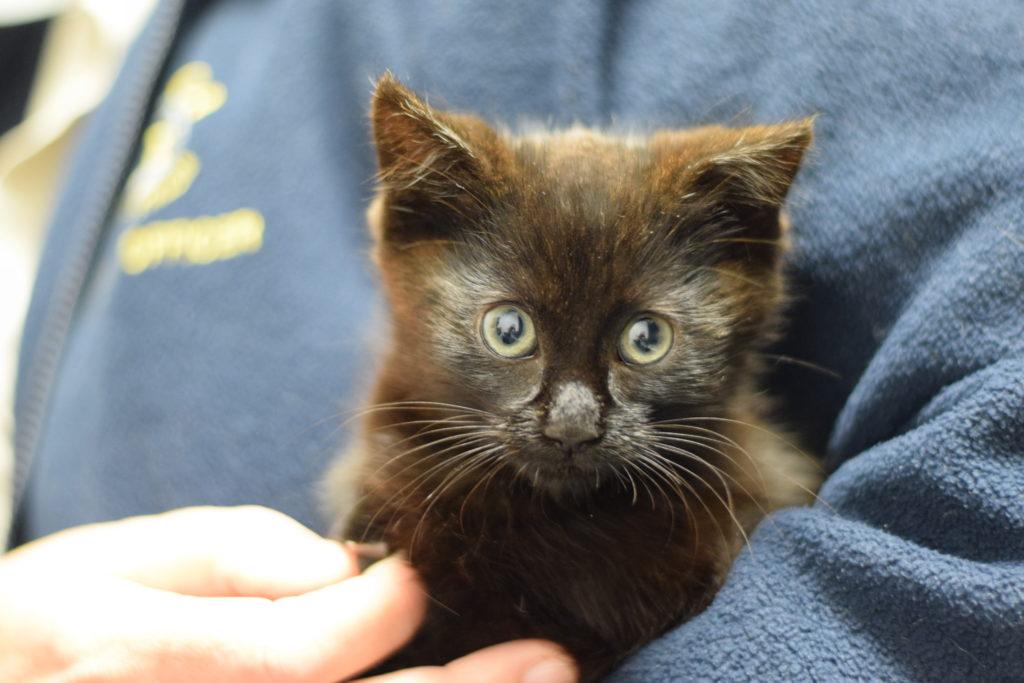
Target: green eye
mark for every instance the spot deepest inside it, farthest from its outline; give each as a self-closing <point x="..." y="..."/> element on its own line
<point x="645" y="340"/>
<point x="508" y="331"/>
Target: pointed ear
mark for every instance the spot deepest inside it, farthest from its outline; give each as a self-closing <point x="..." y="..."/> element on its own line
<point x="755" y="171"/>
<point x="741" y="176"/>
<point x="438" y="170"/>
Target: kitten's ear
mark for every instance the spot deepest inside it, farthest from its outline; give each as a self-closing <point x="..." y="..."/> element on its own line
<point x="438" y="170"/>
<point x="741" y="173"/>
<point x="756" y="170"/>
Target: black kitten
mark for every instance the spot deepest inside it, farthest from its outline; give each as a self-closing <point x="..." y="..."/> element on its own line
<point x="566" y="435"/>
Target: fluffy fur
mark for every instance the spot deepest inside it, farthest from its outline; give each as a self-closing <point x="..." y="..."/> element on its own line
<point x="604" y="543"/>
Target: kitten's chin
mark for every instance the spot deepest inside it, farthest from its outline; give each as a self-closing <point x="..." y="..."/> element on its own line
<point x="565" y="476"/>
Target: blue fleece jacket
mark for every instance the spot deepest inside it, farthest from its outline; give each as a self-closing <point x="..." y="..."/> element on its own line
<point x="204" y="311"/>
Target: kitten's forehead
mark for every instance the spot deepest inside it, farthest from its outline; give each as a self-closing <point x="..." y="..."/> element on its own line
<point x="578" y="170"/>
<point x="575" y="257"/>
<point x="577" y="219"/>
<point x="578" y="149"/>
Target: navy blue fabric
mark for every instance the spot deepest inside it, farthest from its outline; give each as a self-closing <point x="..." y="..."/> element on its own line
<point x="222" y="383"/>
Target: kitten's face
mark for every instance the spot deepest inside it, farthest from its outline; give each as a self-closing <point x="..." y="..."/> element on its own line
<point x="574" y="287"/>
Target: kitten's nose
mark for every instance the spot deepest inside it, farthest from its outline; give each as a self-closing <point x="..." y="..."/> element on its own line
<point x="574" y="417"/>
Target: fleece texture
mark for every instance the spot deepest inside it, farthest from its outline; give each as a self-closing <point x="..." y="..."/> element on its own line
<point x="219" y="375"/>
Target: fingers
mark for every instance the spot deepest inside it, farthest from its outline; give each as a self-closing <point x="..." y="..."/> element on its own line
<point x="104" y="626"/>
<point x="338" y="631"/>
<point x="246" y="551"/>
<point x="207" y="551"/>
<point x="121" y="610"/>
<point x="523" y="661"/>
<point x="324" y="635"/>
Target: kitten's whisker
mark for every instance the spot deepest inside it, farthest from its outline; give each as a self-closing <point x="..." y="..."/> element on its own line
<point x="645" y="466"/>
<point x="472" y="441"/>
<point x="385" y="408"/>
<point x="418" y="405"/>
<point x="685" y="431"/>
<point x="769" y="432"/>
<point x="494" y="473"/>
<point x="716" y="437"/>
<point x="454" y="420"/>
<point x="654" y="459"/>
<point x="773" y="435"/>
<point x="480" y="457"/>
<point x="647" y="484"/>
<point x="643" y="476"/>
<point x="711" y="433"/>
<point x="429" y="444"/>
<point x="473" y="428"/>
<point x="672" y="511"/>
<point x="682" y="440"/>
<point x="496" y="457"/>
<point x="726" y="502"/>
<point x="440" y="489"/>
<point x="467" y="441"/>
<point x="636" y="492"/>
<point x="719" y="472"/>
<point x="623" y="483"/>
<point x="412" y="487"/>
<point x="801" y="363"/>
<point x="387" y="463"/>
<point x="437" y="442"/>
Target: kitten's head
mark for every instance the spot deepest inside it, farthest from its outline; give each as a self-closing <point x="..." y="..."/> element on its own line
<point x="576" y="287"/>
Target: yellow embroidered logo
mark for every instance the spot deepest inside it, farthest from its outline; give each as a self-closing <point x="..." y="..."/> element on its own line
<point x="166" y="170"/>
<point x="191" y="240"/>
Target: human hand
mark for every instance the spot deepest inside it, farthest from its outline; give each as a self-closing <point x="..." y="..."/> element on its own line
<point x="222" y="594"/>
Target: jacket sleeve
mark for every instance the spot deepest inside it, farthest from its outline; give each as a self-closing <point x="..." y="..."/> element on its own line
<point x="911" y="565"/>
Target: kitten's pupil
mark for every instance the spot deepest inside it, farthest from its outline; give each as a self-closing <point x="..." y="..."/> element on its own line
<point x="645" y="335"/>
<point x="509" y="326"/>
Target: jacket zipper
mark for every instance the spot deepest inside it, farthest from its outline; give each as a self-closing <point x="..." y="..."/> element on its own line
<point x="41" y="373"/>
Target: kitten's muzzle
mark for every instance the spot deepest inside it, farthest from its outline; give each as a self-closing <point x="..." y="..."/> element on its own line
<point x="572" y="437"/>
<point x="574" y="417"/>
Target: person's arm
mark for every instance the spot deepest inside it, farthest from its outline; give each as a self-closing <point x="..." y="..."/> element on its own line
<point x="222" y="595"/>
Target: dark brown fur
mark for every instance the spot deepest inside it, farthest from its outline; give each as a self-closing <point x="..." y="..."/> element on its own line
<point x="603" y="547"/>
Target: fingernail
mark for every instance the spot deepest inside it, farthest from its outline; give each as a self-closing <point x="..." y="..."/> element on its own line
<point x="554" y="670"/>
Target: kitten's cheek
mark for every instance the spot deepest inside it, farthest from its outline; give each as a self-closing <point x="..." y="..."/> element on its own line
<point x="513" y="393"/>
<point x="520" y="400"/>
<point x="621" y="387"/>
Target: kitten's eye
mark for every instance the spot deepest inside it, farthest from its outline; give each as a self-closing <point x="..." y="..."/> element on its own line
<point x="508" y="331"/>
<point x="646" y="339"/>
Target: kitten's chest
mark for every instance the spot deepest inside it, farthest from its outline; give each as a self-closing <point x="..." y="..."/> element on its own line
<point x="596" y="583"/>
